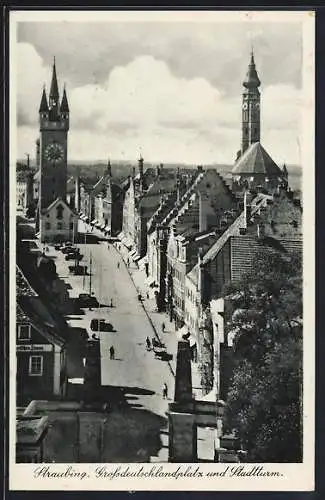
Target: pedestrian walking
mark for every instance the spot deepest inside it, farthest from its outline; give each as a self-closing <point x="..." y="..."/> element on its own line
<point x="147" y="295"/>
<point x="165" y="391"/>
<point x="148" y="343"/>
<point x="118" y="265"/>
<point x="111" y="304"/>
<point x="111" y="352"/>
<point x="163" y="326"/>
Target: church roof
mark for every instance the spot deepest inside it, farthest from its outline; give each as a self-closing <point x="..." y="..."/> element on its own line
<point x="256" y="160"/>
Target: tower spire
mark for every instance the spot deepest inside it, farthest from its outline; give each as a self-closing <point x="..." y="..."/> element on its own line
<point x="64" y="103"/>
<point x="109" y="168"/>
<point x="252" y="80"/>
<point x="43" y="106"/>
<point x="251" y="127"/>
<point x="54" y="90"/>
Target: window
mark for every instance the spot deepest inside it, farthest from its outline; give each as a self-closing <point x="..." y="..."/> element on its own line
<point x="71" y="225"/>
<point x="59" y="225"/>
<point x="24" y="332"/>
<point x="47" y="225"/>
<point x="36" y="366"/>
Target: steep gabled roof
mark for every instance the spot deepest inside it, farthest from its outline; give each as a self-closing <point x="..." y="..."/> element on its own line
<point x="256" y="160"/>
<point x="56" y="202"/>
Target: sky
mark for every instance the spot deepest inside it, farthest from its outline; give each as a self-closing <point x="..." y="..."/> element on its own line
<point x="171" y="91"/>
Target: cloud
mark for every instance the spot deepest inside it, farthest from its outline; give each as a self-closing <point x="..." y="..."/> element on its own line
<point x="145" y="104"/>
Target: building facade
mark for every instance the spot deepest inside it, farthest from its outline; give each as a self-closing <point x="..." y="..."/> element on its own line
<point x="40" y="349"/>
<point x="58" y="223"/>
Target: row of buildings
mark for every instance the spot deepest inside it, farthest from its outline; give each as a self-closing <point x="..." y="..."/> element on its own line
<point x="195" y="230"/>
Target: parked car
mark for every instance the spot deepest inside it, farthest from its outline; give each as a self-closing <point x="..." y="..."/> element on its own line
<point x="78" y="270"/>
<point x="67" y="249"/>
<point x="100" y="325"/>
<point x="87" y="300"/>
<point x="57" y="246"/>
<point x="73" y="256"/>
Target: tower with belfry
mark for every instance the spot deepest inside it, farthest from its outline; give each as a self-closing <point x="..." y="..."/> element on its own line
<point x="251" y="123"/>
<point x="254" y="167"/>
<point x="55" y="220"/>
<point x="54" y="127"/>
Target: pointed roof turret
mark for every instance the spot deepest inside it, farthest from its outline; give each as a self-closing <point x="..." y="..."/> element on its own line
<point x="54" y="90"/>
<point x="252" y="80"/>
<point x="43" y="106"/>
<point x="64" y="103"/>
<point x="109" y="168"/>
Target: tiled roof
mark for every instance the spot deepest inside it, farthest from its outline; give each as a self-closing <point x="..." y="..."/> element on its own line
<point x="40" y="318"/>
<point x="256" y="160"/>
<point x="22" y="285"/>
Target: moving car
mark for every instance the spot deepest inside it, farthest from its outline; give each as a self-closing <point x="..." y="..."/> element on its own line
<point x="100" y="325"/>
<point x="87" y="300"/>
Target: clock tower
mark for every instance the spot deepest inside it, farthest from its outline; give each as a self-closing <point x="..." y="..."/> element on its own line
<point x="251" y="126"/>
<point x="54" y="127"/>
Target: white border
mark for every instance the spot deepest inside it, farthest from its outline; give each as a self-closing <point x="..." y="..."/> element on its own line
<point x="296" y="477"/>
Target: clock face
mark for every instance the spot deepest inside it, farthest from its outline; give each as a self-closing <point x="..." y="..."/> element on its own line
<point x="245" y="105"/>
<point x="54" y="152"/>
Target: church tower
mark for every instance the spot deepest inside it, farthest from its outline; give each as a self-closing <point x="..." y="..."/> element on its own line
<point x="251" y="125"/>
<point x="54" y="127"/>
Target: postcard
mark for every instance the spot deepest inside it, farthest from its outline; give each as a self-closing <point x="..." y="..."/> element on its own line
<point x="162" y="250"/>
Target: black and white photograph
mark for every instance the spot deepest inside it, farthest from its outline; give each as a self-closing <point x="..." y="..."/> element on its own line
<point x="161" y="250"/>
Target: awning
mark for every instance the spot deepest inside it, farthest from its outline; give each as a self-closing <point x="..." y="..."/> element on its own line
<point x="94" y="222"/>
<point x="132" y="253"/>
<point x="136" y="258"/>
<point x="103" y="226"/>
<point x="108" y="228"/>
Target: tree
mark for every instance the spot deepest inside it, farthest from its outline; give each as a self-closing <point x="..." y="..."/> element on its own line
<point x="264" y="397"/>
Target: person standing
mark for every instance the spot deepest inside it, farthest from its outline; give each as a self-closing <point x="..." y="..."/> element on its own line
<point x="165" y="391"/>
<point x="148" y="343"/>
<point x="111" y="353"/>
<point x="163" y="326"/>
<point x="118" y="265"/>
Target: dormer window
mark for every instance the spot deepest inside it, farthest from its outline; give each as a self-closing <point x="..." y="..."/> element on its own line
<point x="24" y="332"/>
<point x="59" y="212"/>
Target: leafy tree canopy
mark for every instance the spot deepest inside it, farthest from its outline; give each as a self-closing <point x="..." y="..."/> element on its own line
<point x="265" y="392"/>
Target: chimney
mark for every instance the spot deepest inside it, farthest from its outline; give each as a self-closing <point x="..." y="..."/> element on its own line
<point x="204" y="208"/>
